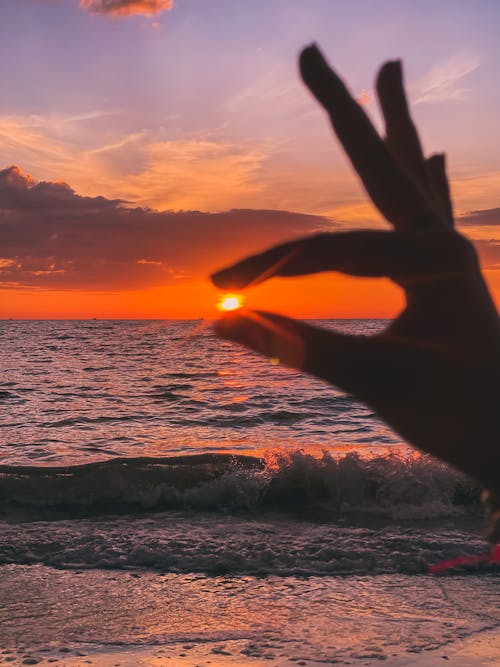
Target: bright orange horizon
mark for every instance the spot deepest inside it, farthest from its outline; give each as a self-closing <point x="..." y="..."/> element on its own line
<point x="297" y="297"/>
<point x="349" y="298"/>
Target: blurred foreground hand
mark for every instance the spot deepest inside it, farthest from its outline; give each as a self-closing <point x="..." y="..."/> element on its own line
<point x="434" y="374"/>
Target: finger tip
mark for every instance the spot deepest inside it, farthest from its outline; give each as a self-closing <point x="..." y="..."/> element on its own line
<point x="310" y="50"/>
<point x="437" y="157"/>
<point x="268" y="334"/>
<point x="310" y="58"/>
<point x="217" y="279"/>
<point x="395" y="66"/>
<point x="437" y="161"/>
<point x="229" y="325"/>
<point x="391" y="71"/>
<point x="224" y="279"/>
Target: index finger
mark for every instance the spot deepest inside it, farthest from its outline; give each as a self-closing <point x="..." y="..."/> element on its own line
<point x="397" y="196"/>
<point x="370" y="253"/>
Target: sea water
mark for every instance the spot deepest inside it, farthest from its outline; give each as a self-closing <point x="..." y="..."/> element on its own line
<point x="160" y="485"/>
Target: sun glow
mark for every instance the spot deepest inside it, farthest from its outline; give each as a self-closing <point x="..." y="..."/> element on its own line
<point x="229" y="302"/>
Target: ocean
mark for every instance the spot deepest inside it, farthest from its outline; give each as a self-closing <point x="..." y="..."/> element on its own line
<point x="162" y="489"/>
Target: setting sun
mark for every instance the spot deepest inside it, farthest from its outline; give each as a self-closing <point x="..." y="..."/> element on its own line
<point x="230" y="302"/>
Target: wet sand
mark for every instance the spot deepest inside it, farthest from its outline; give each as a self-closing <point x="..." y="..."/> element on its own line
<point x="481" y="650"/>
<point x="128" y="618"/>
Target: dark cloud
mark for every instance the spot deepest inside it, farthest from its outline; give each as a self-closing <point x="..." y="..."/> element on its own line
<point x="19" y="192"/>
<point x="488" y="249"/>
<point x="489" y="216"/>
<point x="126" y="7"/>
<point x="53" y="237"/>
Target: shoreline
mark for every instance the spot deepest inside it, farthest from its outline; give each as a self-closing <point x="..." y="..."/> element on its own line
<point x="113" y="618"/>
<point x="482" y="649"/>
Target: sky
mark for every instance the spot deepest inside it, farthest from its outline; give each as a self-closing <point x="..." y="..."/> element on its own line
<point x="146" y="143"/>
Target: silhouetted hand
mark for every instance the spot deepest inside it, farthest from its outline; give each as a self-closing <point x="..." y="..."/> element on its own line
<point x="434" y="374"/>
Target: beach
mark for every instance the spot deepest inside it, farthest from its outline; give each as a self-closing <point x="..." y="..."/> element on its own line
<point x="111" y="617"/>
<point x="480" y="651"/>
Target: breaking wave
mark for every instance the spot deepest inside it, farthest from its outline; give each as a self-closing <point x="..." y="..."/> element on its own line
<point x="394" y="486"/>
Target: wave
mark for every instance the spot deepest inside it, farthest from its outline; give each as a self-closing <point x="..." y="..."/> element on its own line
<point x="391" y="486"/>
<point x="75" y="421"/>
<point x="6" y="394"/>
<point x="289" y="513"/>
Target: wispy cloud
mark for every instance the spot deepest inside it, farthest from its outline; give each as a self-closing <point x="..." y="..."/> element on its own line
<point x="274" y="93"/>
<point x="163" y="167"/>
<point x="478" y="190"/>
<point x="146" y="166"/>
<point x="197" y="173"/>
<point x="92" y="115"/>
<point x="445" y="81"/>
<point x="126" y="7"/>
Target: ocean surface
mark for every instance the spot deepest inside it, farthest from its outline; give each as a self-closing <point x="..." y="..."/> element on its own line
<point x="158" y="485"/>
<point x="81" y="391"/>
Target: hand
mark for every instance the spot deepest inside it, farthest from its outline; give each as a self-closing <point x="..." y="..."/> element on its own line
<point x="434" y="374"/>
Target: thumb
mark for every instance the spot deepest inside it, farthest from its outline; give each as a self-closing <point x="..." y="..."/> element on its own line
<point x="347" y="361"/>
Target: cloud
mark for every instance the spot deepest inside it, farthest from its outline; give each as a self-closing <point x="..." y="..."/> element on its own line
<point x="488" y="217"/>
<point x="160" y="166"/>
<point x="19" y="192"/>
<point x="473" y="192"/>
<point x="488" y="248"/>
<point x="126" y="7"/>
<point x="444" y="82"/>
<point x="53" y="237"/>
<point x="144" y="165"/>
<point x="194" y="172"/>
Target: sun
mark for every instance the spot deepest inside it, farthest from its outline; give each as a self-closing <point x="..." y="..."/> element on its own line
<point x="230" y="302"/>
